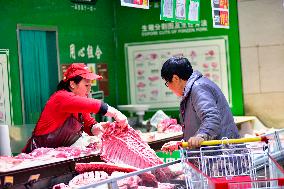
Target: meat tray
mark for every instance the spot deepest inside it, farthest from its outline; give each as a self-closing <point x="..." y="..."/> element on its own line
<point x="158" y="143"/>
<point x="43" y="176"/>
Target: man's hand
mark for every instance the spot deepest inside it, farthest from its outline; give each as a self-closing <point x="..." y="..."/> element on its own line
<point x="171" y="146"/>
<point x="194" y="142"/>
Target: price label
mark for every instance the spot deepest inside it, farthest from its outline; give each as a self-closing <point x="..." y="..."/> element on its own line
<point x="8" y="180"/>
<point x="34" y="178"/>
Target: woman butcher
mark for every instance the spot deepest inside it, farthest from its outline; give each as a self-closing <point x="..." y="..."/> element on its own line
<point x="67" y="113"/>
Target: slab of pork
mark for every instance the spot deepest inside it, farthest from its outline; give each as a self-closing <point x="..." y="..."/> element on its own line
<point x="125" y="146"/>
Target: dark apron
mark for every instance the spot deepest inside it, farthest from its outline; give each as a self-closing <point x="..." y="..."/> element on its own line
<point x="65" y="135"/>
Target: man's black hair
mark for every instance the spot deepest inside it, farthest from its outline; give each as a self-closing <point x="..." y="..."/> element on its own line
<point x="179" y="66"/>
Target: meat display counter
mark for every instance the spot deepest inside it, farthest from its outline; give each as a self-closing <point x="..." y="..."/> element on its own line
<point x="46" y="173"/>
<point x="43" y="176"/>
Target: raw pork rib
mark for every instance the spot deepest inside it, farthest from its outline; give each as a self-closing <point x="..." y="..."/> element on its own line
<point x="169" y="125"/>
<point x="87" y="178"/>
<point x="125" y="146"/>
<point x="148" y="179"/>
<point x="109" y="168"/>
<point x="61" y="186"/>
<point x="128" y="182"/>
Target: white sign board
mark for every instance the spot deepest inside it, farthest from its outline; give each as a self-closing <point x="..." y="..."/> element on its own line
<point x="145" y="61"/>
<point x="5" y="113"/>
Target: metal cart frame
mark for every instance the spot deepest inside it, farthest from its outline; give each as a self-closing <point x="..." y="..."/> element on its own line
<point x="231" y="166"/>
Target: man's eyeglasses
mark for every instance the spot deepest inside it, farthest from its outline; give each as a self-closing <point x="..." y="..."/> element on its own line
<point x="167" y="83"/>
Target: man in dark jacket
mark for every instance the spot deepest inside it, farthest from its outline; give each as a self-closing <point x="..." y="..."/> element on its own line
<point x="204" y="110"/>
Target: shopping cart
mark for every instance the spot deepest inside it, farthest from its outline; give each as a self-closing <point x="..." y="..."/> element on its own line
<point x="231" y="164"/>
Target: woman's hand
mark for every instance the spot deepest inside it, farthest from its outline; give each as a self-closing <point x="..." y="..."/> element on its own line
<point x="120" y="118"/>
<point x="99" y="128"/>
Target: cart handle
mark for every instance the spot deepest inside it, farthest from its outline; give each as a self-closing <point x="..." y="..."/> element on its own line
<point x="229" y="141"/>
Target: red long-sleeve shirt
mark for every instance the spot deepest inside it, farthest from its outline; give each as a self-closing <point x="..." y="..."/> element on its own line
<point x="62" y="105"/>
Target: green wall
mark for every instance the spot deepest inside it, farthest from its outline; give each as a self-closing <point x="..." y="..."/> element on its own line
<point x="82" y="26"/>
<point x="110" y="26"/>
<point x="130" y="21"/>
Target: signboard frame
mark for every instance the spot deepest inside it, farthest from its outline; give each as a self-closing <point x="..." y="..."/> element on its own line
<point x="144" y="84"/>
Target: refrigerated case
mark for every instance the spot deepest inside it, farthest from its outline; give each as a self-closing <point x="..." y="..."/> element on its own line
<point x="47" y="175"/>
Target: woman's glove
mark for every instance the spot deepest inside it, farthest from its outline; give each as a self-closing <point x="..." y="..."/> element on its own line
<point x="98" y="129"/>
<point x="120" y="118"/>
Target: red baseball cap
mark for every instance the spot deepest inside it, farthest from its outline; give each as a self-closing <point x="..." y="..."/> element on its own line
<point x="82" y="70"/>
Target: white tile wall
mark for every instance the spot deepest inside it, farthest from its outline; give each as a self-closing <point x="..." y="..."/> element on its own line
<point x="268" y="107"/>
<point x="250" y="70"/>
<point x="271" y="60"/>
<point x="261" y="24"/>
